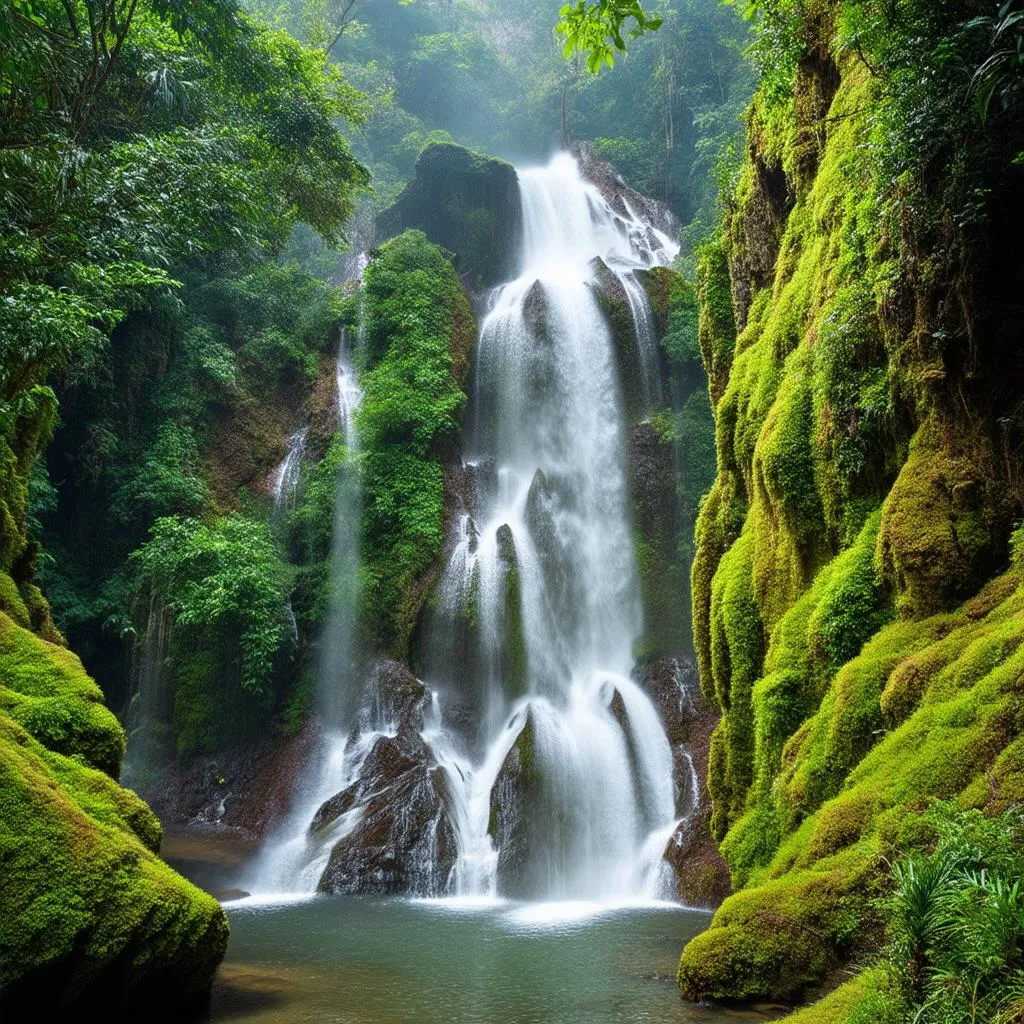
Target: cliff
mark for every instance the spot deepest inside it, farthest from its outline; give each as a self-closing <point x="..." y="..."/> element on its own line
<point x="467" y="204"/>
<point x="857" y="597"/>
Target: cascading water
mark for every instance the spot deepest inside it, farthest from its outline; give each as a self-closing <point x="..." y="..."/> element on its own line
<point x="293" y="860"/>
<point x="533" y="765"/>
<point x="547" y="556"/>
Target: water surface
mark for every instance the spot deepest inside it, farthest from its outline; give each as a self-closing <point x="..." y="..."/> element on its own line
<point x="360" y="961"/>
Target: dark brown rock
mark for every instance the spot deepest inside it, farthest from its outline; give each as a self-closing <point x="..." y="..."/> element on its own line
<point x="404" y="840"/>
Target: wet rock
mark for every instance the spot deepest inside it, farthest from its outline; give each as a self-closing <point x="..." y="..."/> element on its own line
<point x="466" y="203"/>
<point x="621" y="197"/>
<point x="517" y="812"/>
<point x="611" y="297"/>
<point x="241" y="792"/>
<point x="512" y="660"/>
<point x="481" y="485"/>
<point x="702" y="878"/>
<point x="404" y="840"/>
<point x="653" y="484"/>
<point x="394" y="697"/>
<point x="617" y="706"/>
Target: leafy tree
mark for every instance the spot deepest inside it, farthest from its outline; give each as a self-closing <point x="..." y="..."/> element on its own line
<point x="594" y="29"/>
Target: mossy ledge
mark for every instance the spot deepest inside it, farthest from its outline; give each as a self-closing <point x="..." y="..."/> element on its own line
<point x="857" y="588"/>
<point x="90" y="917"/>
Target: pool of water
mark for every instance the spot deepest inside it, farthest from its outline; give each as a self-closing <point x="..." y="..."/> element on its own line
<point x="362" y="961"/>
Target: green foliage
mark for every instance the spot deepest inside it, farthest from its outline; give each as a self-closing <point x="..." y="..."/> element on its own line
<point x="594" y="30"/>
<point x="417" y="318"/>
<point x="222" y="579"/>
<point x="956" y="923"/>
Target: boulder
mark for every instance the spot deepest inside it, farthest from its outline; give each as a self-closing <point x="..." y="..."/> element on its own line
<point x="517" y="811"/>
<point x="466" y="203"/>
<point x="404" y="840"/>
<point x="92" y="921"/>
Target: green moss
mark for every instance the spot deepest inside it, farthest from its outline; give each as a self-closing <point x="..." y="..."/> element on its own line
<point x="737" y="646"/>
<point x="717" y="317"/>
<point x="854" y="1001"/>
<point x="88" y="911"/>
<point x="940" y="526"/>
<point x="12" y="603"/>
<point x="44" y="688"/>
<point x="85" y="898"/>
<point x="775" y="940"/>
<point x="419" y="326"/>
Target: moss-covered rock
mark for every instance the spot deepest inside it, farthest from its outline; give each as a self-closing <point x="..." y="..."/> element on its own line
<point x="89" y="914"/>
<point x="466" y="203"/>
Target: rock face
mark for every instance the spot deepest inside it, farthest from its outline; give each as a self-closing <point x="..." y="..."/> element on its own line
<point x="240" y="792"/>
<point x="609" y="183"/>
<point x="400" y="836"/>
<point x="90" y="917"/>
<point x="404" y="839"/>
<point x="702" y="878"/>
<point x="466" y="203"/>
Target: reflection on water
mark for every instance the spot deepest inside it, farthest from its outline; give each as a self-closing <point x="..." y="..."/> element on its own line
<point x="345" y="960"/>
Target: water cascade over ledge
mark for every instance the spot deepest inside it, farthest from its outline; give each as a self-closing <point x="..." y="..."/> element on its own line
<point x="528" y="762"/>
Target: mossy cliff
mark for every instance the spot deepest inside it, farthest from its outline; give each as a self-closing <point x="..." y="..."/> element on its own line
<point x="858" y="609"/>
<point x="90" y="916"/>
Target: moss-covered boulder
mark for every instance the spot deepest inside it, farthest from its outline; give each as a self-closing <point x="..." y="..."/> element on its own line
<point x="466" y="203"/>
<point x="90" y="916"/>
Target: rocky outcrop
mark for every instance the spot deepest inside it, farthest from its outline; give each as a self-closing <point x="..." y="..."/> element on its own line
<point x="518" y="811"/>
<point x="403" y="837"/>
<point x="653" y="480"/>
<point x="611" y="297"/>
<point x="391" y="829"/>
<point x="625" y="201"/>
<point x="702" y="878"/>
<point x="90" y="916"/>
<point x="467" y="204"/>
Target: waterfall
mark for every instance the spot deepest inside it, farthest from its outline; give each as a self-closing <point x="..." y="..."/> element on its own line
<point x="529" y="763"/>
<point x="149" y="709"/>
<point x="285" y="481"/>
<point x="547" y="555"/>
<point x="293" y="859"/>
